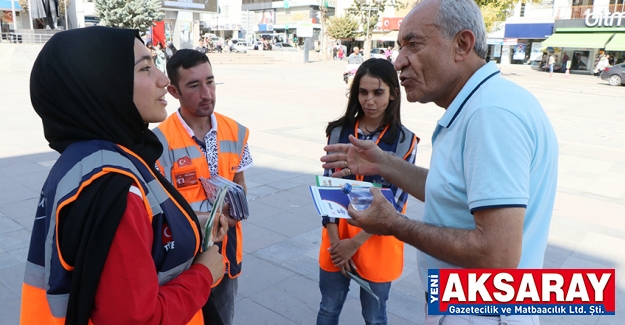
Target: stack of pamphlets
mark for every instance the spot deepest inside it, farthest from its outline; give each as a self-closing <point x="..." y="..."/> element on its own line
<point x="218" y="202"/>
<point x="330" y="201"/>
<point x="235" y="195"/>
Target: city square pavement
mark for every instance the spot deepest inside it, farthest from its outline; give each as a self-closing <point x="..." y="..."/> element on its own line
<point x="286" y="106"/>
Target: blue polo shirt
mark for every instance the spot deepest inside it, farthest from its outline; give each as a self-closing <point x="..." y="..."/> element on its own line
<point x="494" y="147"/>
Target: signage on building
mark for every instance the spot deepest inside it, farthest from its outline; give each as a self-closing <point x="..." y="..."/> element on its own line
<point x="191" y="5"/>
<point x="510" y="41"/>
<point x="304" y="29"/>
<point x="391" y="23"/>
<point x="603" y="18"/>
<point x="302" y="3"/>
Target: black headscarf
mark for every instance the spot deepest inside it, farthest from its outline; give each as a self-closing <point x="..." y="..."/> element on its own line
<point x="81" y="86"/>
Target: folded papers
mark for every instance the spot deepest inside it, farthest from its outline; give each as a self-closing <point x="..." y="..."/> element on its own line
<point x="235" y="195"/>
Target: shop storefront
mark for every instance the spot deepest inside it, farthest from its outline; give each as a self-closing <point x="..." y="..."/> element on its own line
<point x="521" y="40"/>
<point x="585" y="40"/>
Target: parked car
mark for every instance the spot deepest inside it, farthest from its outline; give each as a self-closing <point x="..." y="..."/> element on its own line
<point x="375" y="53"/>
<point x="614" y="75"/>
<point x="240" y="45"/>
<point x="283" y="47"/>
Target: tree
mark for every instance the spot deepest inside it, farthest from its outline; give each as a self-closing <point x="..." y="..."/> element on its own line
<point x="494" y="12"/>
<point x="342" y="27"/>
<point x="135" y="14"/>
<point x="367" y="13"/>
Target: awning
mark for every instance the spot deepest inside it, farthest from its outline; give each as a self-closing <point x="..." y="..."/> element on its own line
<point x="388" y="37"/>
<point x="6" y="5"/>
<point x="591" y="40"/>
<point x="617" y="43"/>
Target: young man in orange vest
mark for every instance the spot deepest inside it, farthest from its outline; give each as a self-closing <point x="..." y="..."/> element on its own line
<point x="197" y="142"/>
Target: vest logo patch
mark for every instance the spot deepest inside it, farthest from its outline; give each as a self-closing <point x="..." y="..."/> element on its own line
<point x="184" y="161"/>
<point x="167" y="238"/>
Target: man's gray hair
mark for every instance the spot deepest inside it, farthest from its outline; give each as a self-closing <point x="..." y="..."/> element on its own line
<point x="457" y="15"/>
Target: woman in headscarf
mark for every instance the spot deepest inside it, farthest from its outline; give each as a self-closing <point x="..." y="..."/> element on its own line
<point x="113" y="242"/>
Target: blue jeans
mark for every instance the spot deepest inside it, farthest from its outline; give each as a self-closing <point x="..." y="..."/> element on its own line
<point x="334" y="287"/>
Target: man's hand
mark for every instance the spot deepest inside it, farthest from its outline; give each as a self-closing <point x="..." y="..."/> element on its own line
<point x="226" y="211"/>
<point x="220" y="228"/>
<point x="361" y="157"/>
<point x="213" y="261"/>
<point x="378" y="218"/>
<point x="342" y="251"/>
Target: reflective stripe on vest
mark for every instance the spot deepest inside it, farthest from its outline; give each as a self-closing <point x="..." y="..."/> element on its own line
<point x="178" y="144"/>
<point x="377" y="250"/>
<point x="80" y="164"/>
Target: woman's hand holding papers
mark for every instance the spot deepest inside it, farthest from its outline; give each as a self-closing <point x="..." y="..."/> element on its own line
<point x="341" y="254"/>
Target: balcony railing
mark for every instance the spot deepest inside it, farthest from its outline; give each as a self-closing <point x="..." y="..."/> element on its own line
<point x="579" y="12"/>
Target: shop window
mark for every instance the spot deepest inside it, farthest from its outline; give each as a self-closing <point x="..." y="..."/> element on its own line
<point x="580" y="60"/>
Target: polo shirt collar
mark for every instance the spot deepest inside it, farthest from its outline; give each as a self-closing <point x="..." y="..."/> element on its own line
<point x="480" y="76"/>
<point x="190" y="131"/>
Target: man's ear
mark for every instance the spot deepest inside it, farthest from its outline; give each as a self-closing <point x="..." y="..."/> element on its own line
<point x="463" y="45"/>
<point x="173" y="91"/>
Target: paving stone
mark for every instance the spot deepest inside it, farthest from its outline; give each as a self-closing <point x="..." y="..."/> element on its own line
<point x="34" y="181"/>
<point x="17" y="193"/>
<point x="8" y="225"/>
<point x="15" y="240"/>
<point x="7" y="260"/>
<point x="286" y="200"/>
<point x="20" y="209"/>
<point x="291" y="299"/>
<point x="248" y="312"/>
<point x="10" y="311"/>
<point x="255" y="237"/>
<point x="257" y="275"/>
<point x="289" y="223"/>
<point x="305" y="266"/>
<point x="290" y="248"/>
<point x="6" y="294"/>
<point x="12" y="277"/>
<point x="24" y="168"/>
<point x="20" y="254"/>
<point x="407" y="306"/>
<point x="259" y="211"/>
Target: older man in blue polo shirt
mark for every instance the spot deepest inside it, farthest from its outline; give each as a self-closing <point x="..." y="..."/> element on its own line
<point x="490" y="189"/>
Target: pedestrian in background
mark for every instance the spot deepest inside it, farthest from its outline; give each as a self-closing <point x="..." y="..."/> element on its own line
<point x="159" y="55"/>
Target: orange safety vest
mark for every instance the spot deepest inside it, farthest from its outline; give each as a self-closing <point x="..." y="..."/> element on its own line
<point x="381" y="258"/>
<point x="47" y="278"/>
<point x="183" y="163"/>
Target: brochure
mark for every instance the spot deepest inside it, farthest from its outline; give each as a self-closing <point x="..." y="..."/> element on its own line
<point x="218" y="201"/>
<point x="235" y="195"/>
<point x="363" y="284"/>
<point x="330" y="201"/>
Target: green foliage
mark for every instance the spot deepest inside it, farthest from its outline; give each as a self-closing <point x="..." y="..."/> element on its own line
<point x="342" y="27"/>
<point x="135" y="14"/>
<point x="495" y="12"/>
<point x="367" y="12"/>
